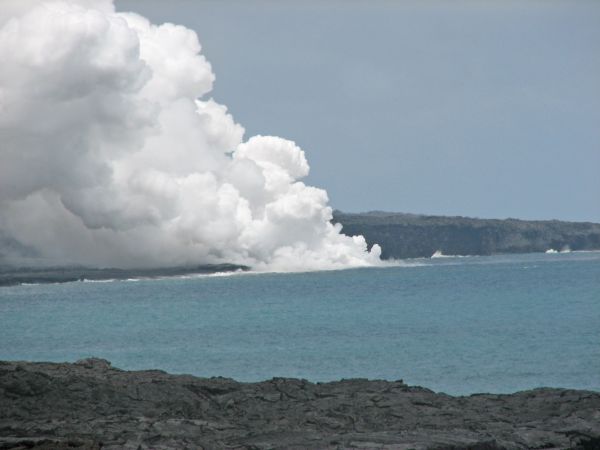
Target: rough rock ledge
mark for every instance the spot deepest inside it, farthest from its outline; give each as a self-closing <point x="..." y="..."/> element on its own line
<point x="91" y="405"/>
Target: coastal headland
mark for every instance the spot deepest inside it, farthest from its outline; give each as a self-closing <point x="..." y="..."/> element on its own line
<point x="10" y="276"/>
<point x="92" y="405"/>
<point x="402" y="235"/>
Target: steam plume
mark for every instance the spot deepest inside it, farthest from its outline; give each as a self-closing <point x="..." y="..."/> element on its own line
<point x="108" y="155"/>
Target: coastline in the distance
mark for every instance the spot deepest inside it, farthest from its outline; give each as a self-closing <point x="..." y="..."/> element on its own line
<point x="403" y="235"/>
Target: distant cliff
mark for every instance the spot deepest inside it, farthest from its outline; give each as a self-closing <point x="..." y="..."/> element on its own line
<point x="411" y="236"/>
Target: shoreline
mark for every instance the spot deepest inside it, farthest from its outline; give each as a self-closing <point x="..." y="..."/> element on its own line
<point x="23" y="276"/>
<point x="32" y="276"/>
<point x="92" y="405"/>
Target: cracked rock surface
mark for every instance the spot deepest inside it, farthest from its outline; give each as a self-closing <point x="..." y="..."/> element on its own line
<point x="91" y="405"/>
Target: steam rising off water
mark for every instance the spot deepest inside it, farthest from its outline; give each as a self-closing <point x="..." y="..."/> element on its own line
<point x="112" y="154"/>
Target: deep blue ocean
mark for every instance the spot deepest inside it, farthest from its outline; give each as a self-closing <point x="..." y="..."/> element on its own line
<point x="457" y="325"/>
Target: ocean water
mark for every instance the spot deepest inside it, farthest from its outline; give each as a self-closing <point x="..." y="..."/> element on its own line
<point x="457" y="325"/>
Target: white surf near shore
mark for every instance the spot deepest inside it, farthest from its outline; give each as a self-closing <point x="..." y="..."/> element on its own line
<point x="440" y="254"/>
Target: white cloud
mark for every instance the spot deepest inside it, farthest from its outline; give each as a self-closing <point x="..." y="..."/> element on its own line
<point x="108" y="157"/>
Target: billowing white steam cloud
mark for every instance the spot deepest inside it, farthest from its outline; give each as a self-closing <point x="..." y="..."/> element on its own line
<point x="107" y="157"/>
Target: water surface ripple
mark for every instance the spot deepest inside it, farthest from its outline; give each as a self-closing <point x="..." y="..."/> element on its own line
<point x="459" y="325"/>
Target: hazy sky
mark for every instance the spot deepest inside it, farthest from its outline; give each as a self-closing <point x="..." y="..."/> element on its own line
<point x="487" y="108"/>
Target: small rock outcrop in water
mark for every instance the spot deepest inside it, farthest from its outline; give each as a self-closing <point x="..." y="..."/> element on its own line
<point x="91" y="405"/>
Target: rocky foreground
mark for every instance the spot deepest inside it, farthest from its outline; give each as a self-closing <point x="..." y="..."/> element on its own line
<point x="91" y="405"/>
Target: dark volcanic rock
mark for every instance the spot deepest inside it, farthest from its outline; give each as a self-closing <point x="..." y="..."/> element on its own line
<point x="10" y="276"/>
<point x="91" y="405"/>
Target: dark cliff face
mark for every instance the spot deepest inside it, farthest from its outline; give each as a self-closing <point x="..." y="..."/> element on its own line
<point x="414" y="236"/>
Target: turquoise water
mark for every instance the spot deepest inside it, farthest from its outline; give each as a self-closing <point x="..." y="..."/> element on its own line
<point x="458" y="325"/>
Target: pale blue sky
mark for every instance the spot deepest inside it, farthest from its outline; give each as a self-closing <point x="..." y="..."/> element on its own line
<point x="478" y="108"/>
